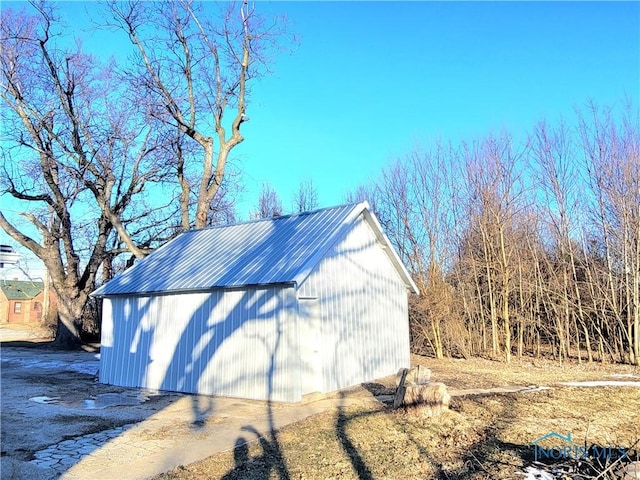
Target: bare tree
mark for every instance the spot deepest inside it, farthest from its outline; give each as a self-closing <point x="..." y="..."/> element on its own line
<point x="73" y="158"/>
<point x="494" y="191"/>
<point x="560" y="182"/>
<point x="269" y="204"/>
<point x="193" y="73"/>
<point x="305" y="198"/>
<point x="363" y="193"/>
<point x="88" y="153"/>
<point x="414" y="206"/>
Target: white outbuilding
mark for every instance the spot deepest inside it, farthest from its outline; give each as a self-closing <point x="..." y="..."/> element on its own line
<point x="268" y="309"/>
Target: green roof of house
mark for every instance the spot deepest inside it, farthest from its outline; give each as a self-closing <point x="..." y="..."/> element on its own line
<point x="20" y="289"/>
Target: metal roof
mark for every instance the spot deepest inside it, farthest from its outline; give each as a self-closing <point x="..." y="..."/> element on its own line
<point x="261" y="252"/>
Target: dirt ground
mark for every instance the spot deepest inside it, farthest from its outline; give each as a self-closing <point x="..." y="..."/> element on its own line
<point x="49" y="396"/>
<point x="485" y="435"/>
<point x="52" y="397"/>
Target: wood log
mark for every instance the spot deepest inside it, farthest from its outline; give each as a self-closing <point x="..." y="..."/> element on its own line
<point x="400" y="388"/>
<point x="427" y="400"/>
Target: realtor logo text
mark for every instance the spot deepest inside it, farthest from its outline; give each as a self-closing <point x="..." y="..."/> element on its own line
<point x="557" y="447"/>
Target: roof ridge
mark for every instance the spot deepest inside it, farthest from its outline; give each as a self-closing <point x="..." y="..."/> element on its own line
<point x="271" y="219"/>
<point x="30" y="282"/>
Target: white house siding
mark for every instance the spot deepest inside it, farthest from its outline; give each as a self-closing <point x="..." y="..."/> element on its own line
<point x="231" y="342"/>
<point x="363" y="309"/>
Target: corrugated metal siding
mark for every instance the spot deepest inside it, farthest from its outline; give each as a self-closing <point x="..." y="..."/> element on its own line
<point x="363" y="310"/>
<point x="239" y="343"/>
<point x="254" y="253"/>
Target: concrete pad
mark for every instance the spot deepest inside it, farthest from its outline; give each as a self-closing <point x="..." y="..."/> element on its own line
<point x="67" y="437"/>
<point x="145" y="450"/>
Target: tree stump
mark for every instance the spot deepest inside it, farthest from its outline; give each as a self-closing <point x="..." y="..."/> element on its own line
<point x="415" y="393"/>
<point x="427" y="400"/>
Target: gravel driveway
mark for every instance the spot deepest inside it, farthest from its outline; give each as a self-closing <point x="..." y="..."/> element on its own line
<point x="49" y="396"/>
<point x="59" y="422"/>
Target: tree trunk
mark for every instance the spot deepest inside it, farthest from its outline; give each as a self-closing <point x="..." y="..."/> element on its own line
<point x="437" y="339"/>
<point x="67" y="335"/>
<point x="507" y="328"/>
<point x="70" y="308"/>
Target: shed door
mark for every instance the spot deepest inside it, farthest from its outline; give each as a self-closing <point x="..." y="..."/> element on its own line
<point x="310" y="337"/>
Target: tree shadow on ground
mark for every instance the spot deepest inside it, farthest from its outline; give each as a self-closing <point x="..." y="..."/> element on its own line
<point x="488" y="457"/>
<point x="203" y="407"/>
<point x="491" y="457"/>
<point x="261" y="466"/>
<point x="357" y="462"/>
<point x="377" y="389"/>
<point x="48" y="345"/>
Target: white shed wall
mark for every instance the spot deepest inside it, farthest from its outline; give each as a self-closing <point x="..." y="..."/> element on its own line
<point x="363" y="311"/>
<point x="239" y="343"/>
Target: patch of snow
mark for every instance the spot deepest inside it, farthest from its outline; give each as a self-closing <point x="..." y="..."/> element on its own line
<point x="533" y="473"/>
<point x="624" y="375"/>
<point x="536" y="388"/>
<point x="601" y="383"/>
<point x="44" y="400"/>
<point x="101" y="401"/>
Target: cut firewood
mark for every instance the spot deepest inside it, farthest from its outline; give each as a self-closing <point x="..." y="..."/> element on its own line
<point x="427" y="400"/>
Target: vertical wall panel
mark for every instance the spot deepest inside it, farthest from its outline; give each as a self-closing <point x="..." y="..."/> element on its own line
<point x="240" y="343"/>
<point x="106" y="341"/>
<point x="363" y="310"/>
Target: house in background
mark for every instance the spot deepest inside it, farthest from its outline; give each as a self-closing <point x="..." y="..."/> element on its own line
<point x="269" y="309"/>
<point x="21" y="301"/>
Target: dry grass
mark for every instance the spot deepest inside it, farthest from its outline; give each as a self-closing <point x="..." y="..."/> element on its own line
<point x="482" y="373"/>
<point x="482" y="437"/>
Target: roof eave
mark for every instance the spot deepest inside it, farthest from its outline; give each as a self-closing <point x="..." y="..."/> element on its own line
<point x="391" y="252"/>
<point x="98" y="294"/>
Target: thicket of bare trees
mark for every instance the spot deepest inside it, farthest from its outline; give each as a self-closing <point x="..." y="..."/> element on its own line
<point x="529" y="248"/>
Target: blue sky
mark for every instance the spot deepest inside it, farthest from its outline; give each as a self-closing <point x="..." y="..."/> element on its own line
<point x="371" y="80"/>
<point x="368" y="81"/>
